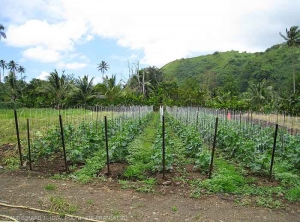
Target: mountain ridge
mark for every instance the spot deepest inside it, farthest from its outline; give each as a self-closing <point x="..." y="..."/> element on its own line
<point x="215" y="70"/>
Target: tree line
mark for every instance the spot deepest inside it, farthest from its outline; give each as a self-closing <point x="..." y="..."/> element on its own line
<point x="150" y="86"/>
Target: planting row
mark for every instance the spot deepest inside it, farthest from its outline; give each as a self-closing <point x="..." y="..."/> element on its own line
<point x="249" y="144"/>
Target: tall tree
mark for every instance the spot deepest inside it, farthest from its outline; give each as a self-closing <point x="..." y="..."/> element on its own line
<point x="3" y="65"/>
<point x="103" y="67"/>
<point x="109" y="89"/>
<point x="85" y="87"/>
<point x="259" y="94"/>
<point x="13" y="67"/>
<point x="292" y="39"/>
<point x="21" y="70"/>
<point x="13" y="85"/>
<point x="2" y="31"/>
<point x="58" y="87"/>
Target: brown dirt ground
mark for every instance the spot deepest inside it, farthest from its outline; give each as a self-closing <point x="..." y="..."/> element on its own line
<point x="105" y="200"/>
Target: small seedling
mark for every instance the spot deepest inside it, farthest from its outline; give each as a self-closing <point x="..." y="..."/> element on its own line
<point x="50" y="186"/>
<point x="90" y="202"/>
<point x="174" y="208"/>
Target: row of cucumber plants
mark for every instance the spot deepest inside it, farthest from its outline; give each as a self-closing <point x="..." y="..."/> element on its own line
<point x="141" y="151"/>
<point x="249" y="144"/>
<point x="84" y="139"/>
<point x="118" y="148"/>
<point x="157" y="150"/>
<point x="194" y="147"/>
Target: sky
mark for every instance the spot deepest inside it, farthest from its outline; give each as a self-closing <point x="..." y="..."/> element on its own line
<point x="75" y="36"/>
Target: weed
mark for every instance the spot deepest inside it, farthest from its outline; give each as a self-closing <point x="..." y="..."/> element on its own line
<point x="125" y="184"/>
<point x="147" y="186"/>
<point x="288" y="179"/>
<point x="268" y="202"/>
<point x="226" y="179"/>
<point x="12" y="163"/>
<point x="59" y="176"/>
<point x="174" y="208"/>
<point x="135" y="171"/>
<point x="145" y="189"/>
<point x="50" y="186"/>
<point x="59" y="204"/>
<point x="293" y="194"/>
<point x="116" y="213"/>
<point x="91" y="202"/>
<point x="150" y="181"/>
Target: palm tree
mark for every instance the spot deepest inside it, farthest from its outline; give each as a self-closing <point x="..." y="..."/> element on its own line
<point x="13" y="67"/>
<point x="58" y="87"/>
<point x="259" y="94"/>
<point x="102" y="67"/>
<point x="14" y="87"/>
<point x="3" y="65"/>
<point x="21" y="70"/>
<point x="1" y="31"/>
<point x="292" y="39"/>
<point x="109" y="89"/>
<point x="85" y="87"/>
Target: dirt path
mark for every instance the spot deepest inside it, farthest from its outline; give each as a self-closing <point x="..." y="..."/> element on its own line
<point x="105" y="200"/>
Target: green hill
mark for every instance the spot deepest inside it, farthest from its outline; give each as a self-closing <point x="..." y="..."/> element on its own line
<point x="238" y="69"/>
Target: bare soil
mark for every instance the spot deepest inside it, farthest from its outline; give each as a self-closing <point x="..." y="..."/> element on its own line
<point x="106" y="201"/>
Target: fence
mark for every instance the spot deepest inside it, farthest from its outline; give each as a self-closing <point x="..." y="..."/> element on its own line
<point x="47" y="130"/>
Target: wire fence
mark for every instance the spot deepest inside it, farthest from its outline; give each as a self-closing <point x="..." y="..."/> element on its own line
<point x="248" y="137"/>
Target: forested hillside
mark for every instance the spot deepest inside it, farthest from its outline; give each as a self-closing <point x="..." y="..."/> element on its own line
<point x="235" y="71"/>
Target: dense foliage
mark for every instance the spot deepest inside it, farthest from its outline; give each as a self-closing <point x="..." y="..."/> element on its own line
<point x="258" y="81"/>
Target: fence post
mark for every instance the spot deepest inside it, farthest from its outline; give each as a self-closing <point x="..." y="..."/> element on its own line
<point x="197" y="119"/>
<point x="106" y="144"/>
<point x="18" y="136"/>
<point x="273" y="152"/>
<point x="28" y="140"/>
<point x="213" y="149"/>
<point x="63" y="141"/>
<point x="163" y="146"/>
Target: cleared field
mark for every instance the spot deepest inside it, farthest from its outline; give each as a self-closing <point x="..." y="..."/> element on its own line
<point x="282" y="120"/>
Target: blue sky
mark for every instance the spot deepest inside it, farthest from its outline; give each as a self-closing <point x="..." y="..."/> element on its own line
<point x="75" y="36"/>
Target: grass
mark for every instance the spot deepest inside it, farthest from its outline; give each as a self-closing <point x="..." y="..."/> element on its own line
<point x="50" y="187"/>
<point x="174" y="208"/>
<point x="12" y="162"/>
<point x="287" y="121"/>
<point x="62" y="206"/>
<point x="228" y="179"/>
<point x="140" y="151"/>
<point x="144" y="186"/>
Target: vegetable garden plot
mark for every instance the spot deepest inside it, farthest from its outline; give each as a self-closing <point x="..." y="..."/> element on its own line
<point x="247" y="143"/>
<point x="83" y="132"/>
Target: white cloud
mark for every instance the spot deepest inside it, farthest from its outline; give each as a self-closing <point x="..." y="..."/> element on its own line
<point x="164" y="30"/>
<point x="168" y="30"/>
<point x="43" y="76"/>
<point x="73" y="66"/>
<point x="46" y="42"/>
<point x="89" y="37"/>
<point x="59" y="36"/>
<point x="41" y="54"/>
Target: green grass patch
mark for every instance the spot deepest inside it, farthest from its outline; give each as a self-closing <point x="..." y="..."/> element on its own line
<point x="62" y="206"/>
<point x="50" y="187"/>
<point x="140" y="151"/>
<point x="226" y="179"/>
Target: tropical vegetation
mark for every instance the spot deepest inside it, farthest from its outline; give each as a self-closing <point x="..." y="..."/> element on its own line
<point x="237" y="80"/>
